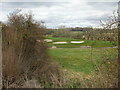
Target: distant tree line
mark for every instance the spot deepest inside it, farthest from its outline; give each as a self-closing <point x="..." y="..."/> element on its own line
<point x="85" y="33"/>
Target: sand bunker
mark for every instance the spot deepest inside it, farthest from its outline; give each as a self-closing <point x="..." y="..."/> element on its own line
<point x="54" y="47"/>
<point x="38" y="40"/>
<point x="47" y="40"/>
<point x="59" y="42"/>
<point x="77" y="42"/>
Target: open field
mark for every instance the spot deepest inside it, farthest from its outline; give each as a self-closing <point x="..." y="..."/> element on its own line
<point x="77" y="45"/>
<point x="85" y="67"/>
<point x="81" y="59"/>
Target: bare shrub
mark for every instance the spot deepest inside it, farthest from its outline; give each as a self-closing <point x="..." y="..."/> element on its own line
<point x="104" y="76"/>
<point x="23" y="57"/>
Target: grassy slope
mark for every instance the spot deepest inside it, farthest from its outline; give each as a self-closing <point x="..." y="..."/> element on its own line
<point x="79" y="59"/>
<point x="78" y="63"/>
<point x="87" y="43"/>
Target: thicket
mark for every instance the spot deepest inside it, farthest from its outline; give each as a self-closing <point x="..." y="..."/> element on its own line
<point x="24" y="58"/>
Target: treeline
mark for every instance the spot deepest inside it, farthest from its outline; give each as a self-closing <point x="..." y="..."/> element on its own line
<point x="87" y="33"/>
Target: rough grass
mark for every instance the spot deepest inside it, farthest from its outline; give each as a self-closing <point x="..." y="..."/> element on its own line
<point x="86" y="43"/>
<point x="87" y="67"/>
<point x="81" y="59"/>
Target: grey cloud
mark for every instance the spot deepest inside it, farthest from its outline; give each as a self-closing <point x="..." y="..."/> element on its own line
<point x="69" y="14"/>
<point x="103" y="17"/>
<point x="102" y="5"/>
<point x="31" y="4"/>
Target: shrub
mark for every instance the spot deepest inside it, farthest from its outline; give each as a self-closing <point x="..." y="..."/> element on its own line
<point x="23" y="57"/>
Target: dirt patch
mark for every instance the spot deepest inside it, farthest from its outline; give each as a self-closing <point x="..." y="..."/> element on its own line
<point x="38" y="40"/>
<point x="48" y="40"/>
<point x="53" y="47"/>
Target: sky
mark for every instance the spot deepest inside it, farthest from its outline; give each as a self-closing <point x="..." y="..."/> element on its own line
<point x="55" y="13"/>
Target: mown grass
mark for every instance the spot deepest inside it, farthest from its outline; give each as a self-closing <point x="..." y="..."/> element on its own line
<point x="86" y="67"/>
<point x="86" y="43"/>
<point x="81" y="59"/>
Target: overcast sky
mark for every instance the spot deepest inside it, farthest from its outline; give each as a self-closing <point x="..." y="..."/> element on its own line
<point x="71" y="13"/>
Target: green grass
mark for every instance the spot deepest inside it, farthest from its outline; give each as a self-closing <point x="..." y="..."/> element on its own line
<point x="86" y="43"/>
<point x="56" y="39"/>
<point x="79" y="59"/>
<point x="71" y="57"/>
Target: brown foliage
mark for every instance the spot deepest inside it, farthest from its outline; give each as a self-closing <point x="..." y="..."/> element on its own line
<point x="23" y="57"/>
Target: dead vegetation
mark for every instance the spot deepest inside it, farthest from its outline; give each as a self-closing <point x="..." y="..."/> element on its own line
<point x="24" y="58"/>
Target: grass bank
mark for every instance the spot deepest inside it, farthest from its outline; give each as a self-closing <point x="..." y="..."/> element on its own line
<point x="81" y="59"/>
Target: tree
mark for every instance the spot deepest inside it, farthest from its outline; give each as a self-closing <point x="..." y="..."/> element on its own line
<point x="23" y="57"/>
